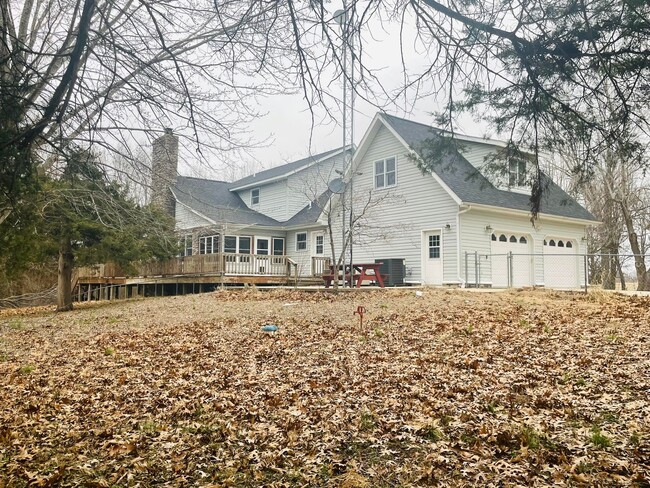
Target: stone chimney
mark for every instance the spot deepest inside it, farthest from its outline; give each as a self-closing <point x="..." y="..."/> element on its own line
<point x="164" y="168"/>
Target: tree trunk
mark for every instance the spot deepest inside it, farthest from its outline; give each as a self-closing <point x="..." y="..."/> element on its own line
<point x="609" y="268"/>
<point x="64" y="290"/>
<point x="642" y="275"/>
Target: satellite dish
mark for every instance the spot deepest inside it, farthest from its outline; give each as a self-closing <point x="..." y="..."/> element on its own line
<point x="336" y="186"/>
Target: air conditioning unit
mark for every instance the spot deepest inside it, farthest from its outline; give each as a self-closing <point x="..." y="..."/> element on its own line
<point x="394" y="268"/>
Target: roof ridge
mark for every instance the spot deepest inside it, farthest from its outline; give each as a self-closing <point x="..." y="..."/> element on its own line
<point x="202" y="179"/>
<point x="274" y="169"/>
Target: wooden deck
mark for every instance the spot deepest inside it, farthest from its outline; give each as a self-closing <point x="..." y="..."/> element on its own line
<point x="190" y="274"/>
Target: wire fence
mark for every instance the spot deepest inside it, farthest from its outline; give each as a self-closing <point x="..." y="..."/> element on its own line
<point x="561" y="270"/>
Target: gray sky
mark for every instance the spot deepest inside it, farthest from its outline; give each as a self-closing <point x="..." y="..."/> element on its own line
<point x="287" y="127"/>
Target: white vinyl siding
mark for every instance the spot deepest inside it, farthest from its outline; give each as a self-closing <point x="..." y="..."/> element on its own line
<point x="187" y="219"/>
<point x="282" y="199"/>
<point x="419" y="203"/>
<point x="272" y="199"/>
<point x="303" y="258"/>
<point x="307" y="185"/>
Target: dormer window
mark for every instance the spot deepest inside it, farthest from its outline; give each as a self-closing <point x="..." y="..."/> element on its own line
<point x="517" y="173"/>
<point x="255" y="196"/>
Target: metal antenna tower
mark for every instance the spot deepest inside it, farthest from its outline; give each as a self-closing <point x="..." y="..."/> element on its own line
<point x="345" y="19"/>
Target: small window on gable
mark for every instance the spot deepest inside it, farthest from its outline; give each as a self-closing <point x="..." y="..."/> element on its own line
<point x="551" y="243"/>
<point x="560" y="244"/>
<point x="503" y="238"/>
<point x="522" y="240"/>
<point x="255" y="196"/>
<point x="568" y="244"/>
<point x="301" y="241"/>
<point x="513" y="239"/>
<point x="494" y="238"/>
<point x="385" y="173"/>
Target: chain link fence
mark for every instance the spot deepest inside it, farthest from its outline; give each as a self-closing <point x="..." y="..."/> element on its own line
<point x="561" y="270"/>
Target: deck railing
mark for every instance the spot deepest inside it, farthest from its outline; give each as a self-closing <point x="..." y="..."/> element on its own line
<point x="319" y="265"/>
<point x="202" y="264"/>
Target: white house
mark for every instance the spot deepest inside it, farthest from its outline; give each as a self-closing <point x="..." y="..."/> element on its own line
<point x="455" y="225"/>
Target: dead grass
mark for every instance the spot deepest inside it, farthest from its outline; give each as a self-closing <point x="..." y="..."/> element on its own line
<point x="452" y="388"/>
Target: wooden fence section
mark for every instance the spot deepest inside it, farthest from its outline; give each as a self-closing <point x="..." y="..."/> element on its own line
<point x="203" y="264"/>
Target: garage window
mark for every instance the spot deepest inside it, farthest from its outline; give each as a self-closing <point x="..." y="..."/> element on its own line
<point x="551" y="243"/>
<point x="522" y="240"/>
<point x="503" y="238"/>
<point x="494" y="238"/>
<point x="568" y="244"/>
<point x="560" y="244"/>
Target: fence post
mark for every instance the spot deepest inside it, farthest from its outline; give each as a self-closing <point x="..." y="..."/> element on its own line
<point x="586" y="275"/>
<point x="466" y="270"/>
<point x="509" y="269"/>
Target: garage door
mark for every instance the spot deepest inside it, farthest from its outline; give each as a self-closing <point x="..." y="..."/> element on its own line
<point x="560" y="263"/>
<point x="504" y="243"/>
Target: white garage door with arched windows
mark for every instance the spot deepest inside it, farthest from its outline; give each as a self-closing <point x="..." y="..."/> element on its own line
<point x="504" y="243"/>
<point x="560" y="263"/>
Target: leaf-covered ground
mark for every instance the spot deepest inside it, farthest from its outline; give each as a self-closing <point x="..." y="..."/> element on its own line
<point x="451" y="388"/>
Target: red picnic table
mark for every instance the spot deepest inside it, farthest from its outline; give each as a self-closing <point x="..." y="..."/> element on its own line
<point x="360" y="272"/>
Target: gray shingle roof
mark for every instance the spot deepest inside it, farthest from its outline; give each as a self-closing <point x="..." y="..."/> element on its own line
<point x="311" y="212"/>
<point x="472" y="187"/>
<point x="281" y="170"/>
<point x="214" y="200"/>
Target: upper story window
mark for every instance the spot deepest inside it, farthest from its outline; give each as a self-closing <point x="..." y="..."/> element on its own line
<point x="301" y="241"/>
<point x="255" y="196"/>
<point x="517" y="176"/>
<point x="385" y="173"/>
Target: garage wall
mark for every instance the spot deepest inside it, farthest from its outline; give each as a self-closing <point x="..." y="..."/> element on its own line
<point x="474" y="237"/>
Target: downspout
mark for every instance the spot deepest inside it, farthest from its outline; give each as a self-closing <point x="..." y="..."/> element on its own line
<point x="461" y="280"/>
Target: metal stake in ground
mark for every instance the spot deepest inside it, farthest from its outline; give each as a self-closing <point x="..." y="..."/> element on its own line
<point x="360" y="310"/>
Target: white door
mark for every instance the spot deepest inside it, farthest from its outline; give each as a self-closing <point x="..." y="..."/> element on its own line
<point x="262" y="259"/>
<point x="560" y="264"/>
<point x="432" y="258"/>
<point x="504" y="243"/>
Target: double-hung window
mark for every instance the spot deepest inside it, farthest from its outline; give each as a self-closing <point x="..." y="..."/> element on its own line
<point x="301" y="241"/>
<point x="320" y="244"/>
<point x="517" y="173"/>
<point x="255" y="196"/>
<point x="385" y="173"/>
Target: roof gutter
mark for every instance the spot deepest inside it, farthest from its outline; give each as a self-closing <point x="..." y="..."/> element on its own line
<point x="542" y="216"/>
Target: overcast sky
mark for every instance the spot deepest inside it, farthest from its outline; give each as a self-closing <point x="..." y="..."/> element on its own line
<point x="287" y="125"/>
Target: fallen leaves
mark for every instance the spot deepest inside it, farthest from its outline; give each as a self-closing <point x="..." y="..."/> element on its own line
<point x="530" y="388"/>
